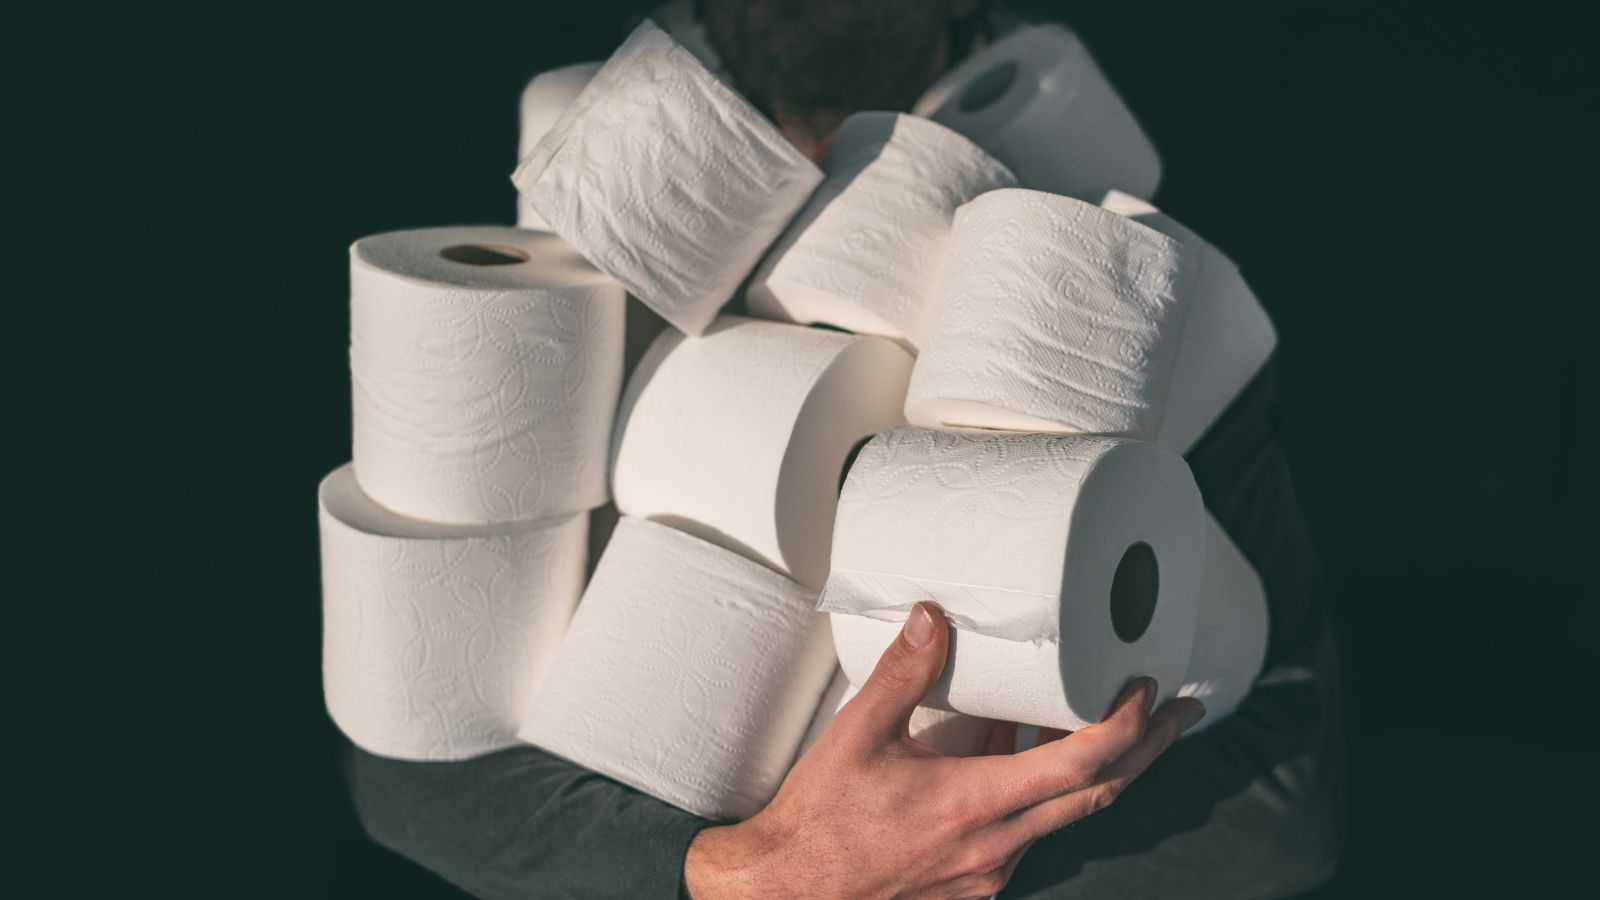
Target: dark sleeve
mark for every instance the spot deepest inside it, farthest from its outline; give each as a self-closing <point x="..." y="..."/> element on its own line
<point x="1263" y="790"/>
<point x="1244" y="476"/>
<point x="522" y="823"/>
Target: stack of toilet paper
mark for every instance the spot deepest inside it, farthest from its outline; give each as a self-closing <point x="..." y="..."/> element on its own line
<point x="778" y="515"/>
<point x="863" y="255"/>
<point x="697" y="657"/>
<point x="1072" y="353"/>
<point x="486" y="364"/>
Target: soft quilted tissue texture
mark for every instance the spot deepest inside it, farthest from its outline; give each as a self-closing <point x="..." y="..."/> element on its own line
<point x="689" y="673"/>
<point x="866" y="252"/>
<point x="1018" y="537"/>
<point x="1054" y="315"/>
<point x="481" y="393"/>
<point x="434" y="635"/>
<point x="666" y="179"/>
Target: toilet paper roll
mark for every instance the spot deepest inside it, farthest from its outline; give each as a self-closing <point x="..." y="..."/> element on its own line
<point x="1230" y="636"/>
<point x="741" y="436"/>
<point x="643" y="328"/>
<point x="486" y="364"/>
<point x="865" y="253"/>
<point x="1011" y="681"/>
<point x="1037" y="101"/>
<point x="1084" y="552"/>
<point x="1227" y="335"/>
<point x="434" y="636"/>
<point x="950" y="733"/>
<point x="667" y="179"/>
<point x="1053" y="315"/>
<point x="545" y="98"/>
<point x="689" y="672"/>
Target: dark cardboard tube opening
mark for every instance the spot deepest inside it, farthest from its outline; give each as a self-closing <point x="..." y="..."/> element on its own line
<point x="850" y="460"/>
<point x="988" y="87"/>
<point x="484" y="255"/>
<point x="1134" y="588"/>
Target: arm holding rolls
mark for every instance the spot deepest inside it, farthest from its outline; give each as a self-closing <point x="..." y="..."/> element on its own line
<point x="523" y="823"/>
<point x="869" y="812"/>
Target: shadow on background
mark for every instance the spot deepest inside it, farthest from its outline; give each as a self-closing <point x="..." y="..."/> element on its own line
<point x="1404" y="187"/>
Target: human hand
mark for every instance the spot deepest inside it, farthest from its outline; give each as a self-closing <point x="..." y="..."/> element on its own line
<point x="870" y="812"/>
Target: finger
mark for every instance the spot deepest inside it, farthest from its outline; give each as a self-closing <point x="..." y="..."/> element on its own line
<point x="984" y="884"/>
<point x="905" y="672"/>
<point x="1166" y="725"/>
<point x="1050" y="770"/>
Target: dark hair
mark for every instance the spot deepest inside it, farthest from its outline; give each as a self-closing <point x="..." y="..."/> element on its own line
<point x="813" y="62"/>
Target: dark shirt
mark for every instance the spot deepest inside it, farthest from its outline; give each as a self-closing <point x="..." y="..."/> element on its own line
<point x="1250" y="807"/>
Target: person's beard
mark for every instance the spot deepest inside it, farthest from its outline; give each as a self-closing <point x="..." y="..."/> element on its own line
<point x="809" y="65"/>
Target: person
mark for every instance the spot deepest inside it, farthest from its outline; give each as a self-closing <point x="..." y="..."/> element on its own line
<point x="1250" y="807"/>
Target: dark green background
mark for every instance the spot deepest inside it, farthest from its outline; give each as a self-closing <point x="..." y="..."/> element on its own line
<point x="1408" y="187"/>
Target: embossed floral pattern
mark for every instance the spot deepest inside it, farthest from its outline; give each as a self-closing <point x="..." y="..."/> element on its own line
<point x="482" y="405"/>
<point x="666" y="179"/>
<point x="1056" y="310"/>
<point x="865" y="254"/>
<point x="991" y="514"/>
<point x="726" y="659"/>
<point x="431" y="644"/>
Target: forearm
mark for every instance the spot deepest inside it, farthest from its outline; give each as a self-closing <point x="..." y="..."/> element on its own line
<point x="521" y="824"/>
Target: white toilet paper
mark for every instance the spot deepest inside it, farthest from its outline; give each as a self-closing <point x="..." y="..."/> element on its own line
<point x="486" y="364"/>
<point x="1053" y="315"/>
<point x="1036" y="100"/>
<point x="545" y="98"/>
<point x="865" y="253"/>
<point x="1086" y="553"/>
<point x="741" y="436"/>
<point x="1018" y="682"/>
<point x="689" y="673"/>
<point x="667" y="179"/>
<point x="950" y="733"/>
<point x="1227" y="335"/>
<point x="1230" y="637"/>
<point x="643" y="328"/>
<point x="434" y="636"/>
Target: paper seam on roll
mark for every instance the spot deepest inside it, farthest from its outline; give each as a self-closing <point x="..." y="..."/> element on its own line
<point x="1056" y="516"/>
<point x="860" y="582"/>
<point x="558" y="88"/>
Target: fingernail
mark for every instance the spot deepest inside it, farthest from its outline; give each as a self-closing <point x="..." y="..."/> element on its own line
<point x="1194" y="711"/>
<point x="1141" y="690"/>
<point x="919" y="627"/>
<point x="1151" y="690"/>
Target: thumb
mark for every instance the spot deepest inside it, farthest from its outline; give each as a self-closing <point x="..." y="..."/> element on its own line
<point x="905" y="672"/>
